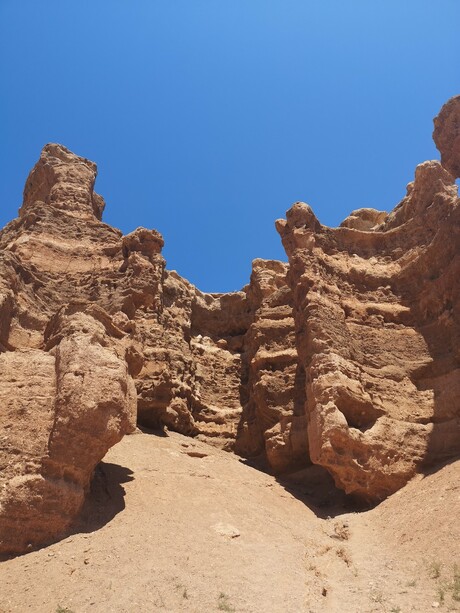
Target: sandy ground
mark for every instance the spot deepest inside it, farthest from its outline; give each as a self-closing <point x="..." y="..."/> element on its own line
<point x="175" y="525"/>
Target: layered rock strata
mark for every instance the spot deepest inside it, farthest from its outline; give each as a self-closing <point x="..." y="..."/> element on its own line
<point x="273" y="419"/>
<point x="377" y="310"/>
<point x="65" y="377"/>
<point x="72" y="286"/>
<point x="348" y="356"/>
<point x="63" y="407"/>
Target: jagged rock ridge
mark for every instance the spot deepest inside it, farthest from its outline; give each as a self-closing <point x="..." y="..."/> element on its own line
<point x="347" y="357"/>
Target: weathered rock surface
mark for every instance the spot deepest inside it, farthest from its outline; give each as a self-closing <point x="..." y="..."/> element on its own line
<point x="273" y="419"/>
<point x="377" y="329"/>
<point x="66" y="388"/>
<point x="446" y="135"/>
<point x="63" y="407"/>
<point x="90" y="311"/>
<point x="347" y="357"/>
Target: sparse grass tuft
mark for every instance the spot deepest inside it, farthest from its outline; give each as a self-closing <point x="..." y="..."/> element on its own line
<point x="223" y="603"/>
<point x="441" y="595"/>
<point x="60" y="609"/>
<point x="435" y="570"/>
<point x="455" y="584"/>
<point x="179" y="587"/>
<point x="449" y="586"/>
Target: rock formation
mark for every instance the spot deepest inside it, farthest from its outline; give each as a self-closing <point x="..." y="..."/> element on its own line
<point x="67" y="395"/>
<point x="446" y="135"/>
<point x="348" y="356"/>
<point x="273" y="417"/>
<point x="93" y="319"/>
<point x="377" y="310"/>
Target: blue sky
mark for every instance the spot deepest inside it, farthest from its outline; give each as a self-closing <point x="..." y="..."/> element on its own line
<point x="208" y="119"/>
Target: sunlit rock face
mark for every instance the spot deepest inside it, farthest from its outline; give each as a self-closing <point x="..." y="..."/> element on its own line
<point x="347" y="355"/>
<point x="65" y="379"/>
<point x="95" y="334"/>
<point x="377" y="311"/>
<point x="273" y="420"/>
<point x="446" y="135"/>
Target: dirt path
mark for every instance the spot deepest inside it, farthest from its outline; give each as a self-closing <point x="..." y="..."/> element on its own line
<point x="176" y="525"/>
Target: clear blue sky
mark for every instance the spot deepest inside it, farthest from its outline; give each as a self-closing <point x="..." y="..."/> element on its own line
<point x="209" y="118"/>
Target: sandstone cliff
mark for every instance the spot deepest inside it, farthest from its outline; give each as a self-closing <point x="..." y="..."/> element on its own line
<point x="377" y="310"/>
<point x="348" y="356"/>
<point x="90" y="319"/>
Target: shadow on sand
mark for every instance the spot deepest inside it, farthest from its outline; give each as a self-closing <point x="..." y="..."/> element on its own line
<point x="314" y="487"/>
<point x="105" y="499"/>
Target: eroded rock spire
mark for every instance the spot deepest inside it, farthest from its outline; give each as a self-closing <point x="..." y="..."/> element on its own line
<point x="446" y="135"/>
<point x="64" y="180"/>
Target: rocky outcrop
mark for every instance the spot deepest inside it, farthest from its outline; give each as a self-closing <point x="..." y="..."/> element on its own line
<point x="66" y="364"/>
<point x="348" y="356"/>
<point x="377" y="330"/>
<point x="110" y="336"/>
<point x="63" y="407"/>
<point x="446" y="135"/>
<point x="190" y="380"/>
<point x="273" y="420"/>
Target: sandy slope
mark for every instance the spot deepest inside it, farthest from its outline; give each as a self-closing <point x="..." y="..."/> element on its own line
<point x="176" y="525"/>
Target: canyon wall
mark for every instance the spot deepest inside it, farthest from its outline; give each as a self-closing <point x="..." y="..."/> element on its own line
<point x="348" y="356"/>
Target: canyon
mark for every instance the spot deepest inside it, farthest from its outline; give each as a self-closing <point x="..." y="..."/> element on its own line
<point x="340" y="366"/>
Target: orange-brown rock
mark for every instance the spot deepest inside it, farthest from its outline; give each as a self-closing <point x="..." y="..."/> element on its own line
<point x="66" y="386"/>
<point x="348" y="356"/>
<point x="273" y="419"/>
<point x="63" y="407"/>
<point x="446" y="135"/>
<point x="65" y="181"/>
<point x="377" y="313"/>
<point x="83" y="311"/>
